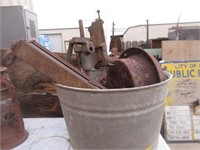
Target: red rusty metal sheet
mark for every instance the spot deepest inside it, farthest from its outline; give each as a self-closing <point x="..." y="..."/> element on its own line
<point x="51" y="65"/>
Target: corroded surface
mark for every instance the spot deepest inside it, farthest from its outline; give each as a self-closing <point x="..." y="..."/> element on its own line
<point x="134" y="68"/>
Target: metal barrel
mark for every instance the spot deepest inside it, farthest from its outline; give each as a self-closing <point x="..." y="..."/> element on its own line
<point x="127" y="118"/>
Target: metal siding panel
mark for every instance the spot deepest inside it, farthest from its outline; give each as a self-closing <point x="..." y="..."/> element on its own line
<point x="12" y="25"/>
<point x="56" y="42"/>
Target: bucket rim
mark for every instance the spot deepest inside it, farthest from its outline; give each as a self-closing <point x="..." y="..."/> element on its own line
<point x="167" y="75"/>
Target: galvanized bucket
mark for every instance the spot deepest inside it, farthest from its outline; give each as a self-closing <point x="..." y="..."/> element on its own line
<point x="128" y="118"/>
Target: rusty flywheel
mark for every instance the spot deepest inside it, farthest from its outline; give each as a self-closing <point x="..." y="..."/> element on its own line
<point x="135" y="67"/>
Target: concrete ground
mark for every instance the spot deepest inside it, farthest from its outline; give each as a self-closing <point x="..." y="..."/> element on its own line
<point x="184" y="146"/>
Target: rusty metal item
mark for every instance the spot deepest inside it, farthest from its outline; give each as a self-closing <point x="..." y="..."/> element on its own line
<point x="56" y="68"/>
<point x="134" y="68"/>
<point x="116" y="43"/>
<point x="86" y="56"/>
<point x="81" y="28"/>
<point x="12" y="128"/>
<point x="97" y="36"/>
<point x="90" y="52"/>
<point x="97" y="33"/>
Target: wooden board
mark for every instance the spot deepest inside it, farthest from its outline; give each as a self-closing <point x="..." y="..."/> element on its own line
<point x="181" y="50"/>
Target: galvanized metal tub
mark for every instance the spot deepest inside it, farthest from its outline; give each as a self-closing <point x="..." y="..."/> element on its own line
<point x="127" y="118"/>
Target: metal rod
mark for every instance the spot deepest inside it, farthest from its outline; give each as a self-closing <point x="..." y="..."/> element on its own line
<point x="98" y="11"/>
<point x="147" y="33"/>
<point x="81" y="28"/>
<point x="113" y="28"/>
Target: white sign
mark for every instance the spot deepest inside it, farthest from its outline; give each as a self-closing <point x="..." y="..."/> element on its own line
<point x="178" y="124"/>
<point x="196" y="122"/>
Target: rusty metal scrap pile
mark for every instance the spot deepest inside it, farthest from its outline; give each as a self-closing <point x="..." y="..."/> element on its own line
<point x="92" y="67"/>
<point x="132" y="68"/>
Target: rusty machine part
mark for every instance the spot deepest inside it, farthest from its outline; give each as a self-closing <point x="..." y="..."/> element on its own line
<point x="97" y="36"/>
<point x="84" y="49"/>
<point x="85" y="53"/>
<point x="116" y="43"/>
<point x="48" y="63"/>
<point x="12" y="128"/>
<point x="90" y="52"/>
<point x="134" y="68"/>
<point x="97" y="32"/>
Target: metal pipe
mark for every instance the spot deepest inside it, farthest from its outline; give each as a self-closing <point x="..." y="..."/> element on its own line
<point x="98" y="12"/>
<point x="113" y="28"/>
<point x="147" y="33"/>
<point x="81" y="28"/>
